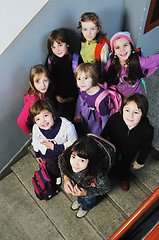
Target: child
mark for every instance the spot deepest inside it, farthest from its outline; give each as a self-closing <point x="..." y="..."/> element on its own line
<point x="95" y="45"/>
<point x="51" y="135"/>
<point x="59" y="63"/>
<point x="85" y="174"/>
<point x="126" y="68"/>
<point x="131" y="133"/>
<point x="39" y="87"/>
<point x="92" y="121"/>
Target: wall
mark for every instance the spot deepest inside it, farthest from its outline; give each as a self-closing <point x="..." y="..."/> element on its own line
<point x="30" y="48"/>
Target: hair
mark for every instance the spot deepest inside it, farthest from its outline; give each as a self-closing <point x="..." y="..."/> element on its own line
<point x="86" y="148"/>
<point x="36" y="71"/>
<point x="90" y="70"/>
<point x="87" y="17"/>
<point x="134" y="69"/>
<point x="58" y="36"/>
<point x="140" y="100"/>
<point x="41" y="105"/>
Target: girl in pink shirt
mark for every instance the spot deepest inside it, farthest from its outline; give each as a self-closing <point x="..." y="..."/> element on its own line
<point x="39" y="87"/>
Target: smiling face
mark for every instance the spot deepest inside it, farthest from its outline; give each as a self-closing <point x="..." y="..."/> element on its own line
<point x="41" y="82"/>
<point x="44" y="120"/>
<point x="122" y="49"/>
<point x="89" y="30"/>
<point x="131" y="114"/>
<point x="60" y="49"/>
<point x="84" y="82"/>
<point x="78" y="164"/>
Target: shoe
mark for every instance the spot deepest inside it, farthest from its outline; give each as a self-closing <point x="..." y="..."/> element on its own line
<point x="81" y="213"/>
<point x="75" y="205"/>
<point x="125" y="185"/>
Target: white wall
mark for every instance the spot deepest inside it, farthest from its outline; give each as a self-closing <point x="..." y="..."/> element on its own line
<point x="30" y="48"/>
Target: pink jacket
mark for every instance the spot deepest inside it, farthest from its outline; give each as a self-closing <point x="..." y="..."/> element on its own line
<point x="24" y="115"/>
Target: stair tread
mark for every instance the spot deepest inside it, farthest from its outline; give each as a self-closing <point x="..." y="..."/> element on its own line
<point x="29" y="216"/>
<point x="108" y="214"/>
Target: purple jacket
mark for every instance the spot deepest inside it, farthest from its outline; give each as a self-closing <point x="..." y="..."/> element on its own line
<point x="150" y="63"/>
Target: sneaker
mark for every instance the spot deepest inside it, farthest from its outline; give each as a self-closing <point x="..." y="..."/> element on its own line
<point x="81" y="213"/>
<point x="75" y="205"/>
<point x="125" y="185"/>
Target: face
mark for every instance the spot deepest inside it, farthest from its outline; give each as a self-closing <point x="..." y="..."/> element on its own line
<point x="44" y="120"/>
<point x="89" y="30"/>
<point x="78" y="164"/>
<point x="60" y="49"/>
<point x="41" y="83"/>
<point x="84" y="82"/>
<point x="131" y="114"/>
<point x="122" y="49"/>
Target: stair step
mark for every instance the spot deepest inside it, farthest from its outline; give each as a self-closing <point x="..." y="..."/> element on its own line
<point x="31" y="220"/>
<point x="90" y="226"/>
<point x="148" y="177"/>
<point x="10" y="228"/>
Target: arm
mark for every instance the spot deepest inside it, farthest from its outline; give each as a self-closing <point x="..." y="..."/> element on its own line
<point x="151" y="63"/>
<point x="24" y="115"/>
<point x="102" y="186"/>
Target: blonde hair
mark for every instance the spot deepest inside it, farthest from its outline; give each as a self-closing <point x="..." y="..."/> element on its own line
<point x="90" y="70"/>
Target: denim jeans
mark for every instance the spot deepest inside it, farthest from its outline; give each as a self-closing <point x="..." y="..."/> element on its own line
<point x="87" y="202"/>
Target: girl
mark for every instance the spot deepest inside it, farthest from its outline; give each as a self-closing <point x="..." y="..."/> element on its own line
<point x="59" y="63"/>
<point x="95" y="45"/>
<point x="131" y="133"/>
<point x="51" y="135"/>
<point x="85" y="174"/>
<point x="126" y="68"/>
<point x="92" y="121"/>
<point x="39" y="87"/>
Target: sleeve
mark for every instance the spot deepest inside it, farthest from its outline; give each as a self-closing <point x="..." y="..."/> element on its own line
<point x="106" y="131"/>
<point x="71" y="134"/>
<point x="101" y="187"/>
<point x="104" y="56"/>
<point x="24" y="116"/>
<point x="146" y="146"/>
<point x="150" y="63"/>
<point x="78" y="106"/>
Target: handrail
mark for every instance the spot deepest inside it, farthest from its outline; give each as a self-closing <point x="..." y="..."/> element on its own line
<point x="136" y="215"/>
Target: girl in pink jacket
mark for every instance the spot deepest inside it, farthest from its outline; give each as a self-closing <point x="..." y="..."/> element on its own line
<point x="39" y="87"/>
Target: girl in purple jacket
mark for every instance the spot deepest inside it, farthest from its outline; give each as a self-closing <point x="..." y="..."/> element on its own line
<point x="39" y="87"/>
<point x="125" y="69"/>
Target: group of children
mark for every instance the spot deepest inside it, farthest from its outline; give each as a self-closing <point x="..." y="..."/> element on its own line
<point x="59" y="110"/>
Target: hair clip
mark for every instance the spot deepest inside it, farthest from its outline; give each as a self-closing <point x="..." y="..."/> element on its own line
<point x="80" y="20"/>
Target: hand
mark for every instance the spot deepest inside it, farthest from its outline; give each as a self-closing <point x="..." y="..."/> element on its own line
<point x="60" y="99"/>
<point x="79" y="191"/>
<point x="78" y="119"/>
<point x="69" y="99"/>
<point x="48" y="144"/>
<point x="39" y="160"/>
<point x="135" y="166"/>
<point x="68" y="185"/>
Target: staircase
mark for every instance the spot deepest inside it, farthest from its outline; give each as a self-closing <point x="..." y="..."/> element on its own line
<point x="24" y="217"/>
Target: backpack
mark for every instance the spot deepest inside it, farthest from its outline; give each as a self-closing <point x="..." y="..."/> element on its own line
<point x="115" y="99"/>
<point x="42" y="184"/>
<point x="107" y="148"/>
<point x="75" y="58"/>
<point x="99" y="47"/>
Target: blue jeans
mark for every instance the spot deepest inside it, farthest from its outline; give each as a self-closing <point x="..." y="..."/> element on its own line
<point x="87" y="202"/>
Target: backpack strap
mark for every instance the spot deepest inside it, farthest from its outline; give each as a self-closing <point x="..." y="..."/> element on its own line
<point x="99" y="47"/>
<point x="98" y="100"/>
<point x="75" y="58"/>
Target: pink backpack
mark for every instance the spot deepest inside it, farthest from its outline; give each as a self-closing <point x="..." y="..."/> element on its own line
<point x="115" y="99"/>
